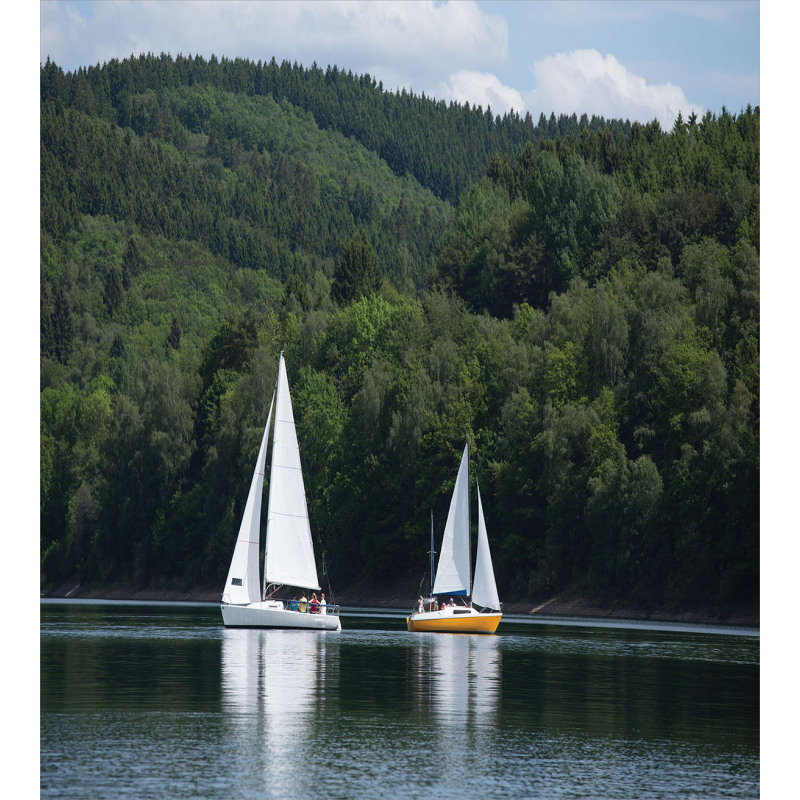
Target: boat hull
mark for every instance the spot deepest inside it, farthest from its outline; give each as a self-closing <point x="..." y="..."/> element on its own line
<point x="274" y="615"/>
<point x="456" y="620"/>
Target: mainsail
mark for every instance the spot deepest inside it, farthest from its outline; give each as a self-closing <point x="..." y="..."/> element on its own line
<point x="290" y="554"/>
<point x="452" y="575"/>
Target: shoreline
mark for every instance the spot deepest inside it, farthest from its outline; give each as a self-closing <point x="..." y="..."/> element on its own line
<point x="572" y="605"/>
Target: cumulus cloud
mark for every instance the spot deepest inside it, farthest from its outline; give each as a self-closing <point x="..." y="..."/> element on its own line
<point x="585" y="81"/>
<point x="415" y="45"/>
<point x="449" y="50"/>
<point x="482" y="89"/>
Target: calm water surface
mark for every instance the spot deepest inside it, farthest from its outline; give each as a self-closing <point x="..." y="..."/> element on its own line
<point x="159" y="700"/>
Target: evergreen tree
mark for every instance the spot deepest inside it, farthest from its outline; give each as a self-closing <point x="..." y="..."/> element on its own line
<point x="62" y="326"/>
<point x="112" y="291"/>
<point x="174" y="336"/>
<point x="595" y="328"/>
<point x="131" y="262"/>
<point x="356" y="273"/>
<point x="46" y="337"/>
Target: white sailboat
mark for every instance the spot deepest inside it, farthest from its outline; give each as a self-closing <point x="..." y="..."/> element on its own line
<point x="289" y="557"/>
<point x="453" y="572"/>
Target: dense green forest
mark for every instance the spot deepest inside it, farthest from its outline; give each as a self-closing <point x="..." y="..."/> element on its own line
<point x="580" y="296"/>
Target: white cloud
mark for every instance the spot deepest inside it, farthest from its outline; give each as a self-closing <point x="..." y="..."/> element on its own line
<point x="411" y="44"/>
<point x="585" y="81"/>
<point x="482" y="89"/>
<point x="61" y="27"/>
<point x="442" y="35"/>
<point x="449" y="50"/>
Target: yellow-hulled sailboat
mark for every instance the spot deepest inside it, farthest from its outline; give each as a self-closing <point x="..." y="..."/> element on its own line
<point x="453" y="572"/>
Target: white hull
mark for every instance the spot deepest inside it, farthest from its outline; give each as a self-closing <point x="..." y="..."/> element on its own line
<point x="273" y="614"/>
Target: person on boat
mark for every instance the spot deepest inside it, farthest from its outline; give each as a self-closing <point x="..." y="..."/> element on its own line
<point x="323" y="605"/>
<point x="314" y="604"/>
<point x="420" y="605"/>
<point x="293" y="604"/>
<point x="303" y="603"/>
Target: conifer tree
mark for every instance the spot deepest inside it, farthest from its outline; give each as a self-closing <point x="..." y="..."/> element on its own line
<point x="62" y="326"/>
<point x="357" y="271"/>
<point x="174" y="336"/>
<point x="112" y="292"/>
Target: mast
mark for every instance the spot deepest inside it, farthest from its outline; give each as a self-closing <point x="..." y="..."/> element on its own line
<point x="469" y="528"/>
<point x="432" y="551"/>
<point x="266" y="542"/>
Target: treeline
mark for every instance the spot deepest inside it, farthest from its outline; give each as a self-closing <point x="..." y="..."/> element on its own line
<point x="284" y="205"/>
<point x="530" y="227"/>
<point x="588" y="312"/>
<point x="445" y="146"/>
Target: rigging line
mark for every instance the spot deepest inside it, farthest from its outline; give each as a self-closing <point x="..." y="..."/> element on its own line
<point x="430" y="553"/>
<point x="420" y="583"/>
<point x="325" y="573"/>
<point x="322" y="555"/>
<point x="324" y="566"/>
<point x="311" y="507"/>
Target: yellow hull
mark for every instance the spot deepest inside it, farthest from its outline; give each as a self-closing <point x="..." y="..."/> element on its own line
<point x="473" y="623"/>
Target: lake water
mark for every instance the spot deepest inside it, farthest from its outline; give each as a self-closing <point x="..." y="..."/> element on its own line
<point x="159" y="700"/>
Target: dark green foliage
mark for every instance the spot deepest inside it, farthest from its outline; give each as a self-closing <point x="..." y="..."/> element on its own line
<point x="587" y="311"/>
<point x="174" y="336"/>
<point x="230" y="348"/>
<point x="356" y="272"/>
<point x="60" y="327"/>
<point x="46" y="334"/>
<point x="112" y="293"/>
<point x="578" y="209"/>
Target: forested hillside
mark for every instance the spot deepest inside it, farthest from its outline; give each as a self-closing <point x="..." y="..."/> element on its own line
<point x="580" y="296"/>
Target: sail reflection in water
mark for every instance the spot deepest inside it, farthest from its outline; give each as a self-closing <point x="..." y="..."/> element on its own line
<point x="152" y="703"/>
<point x="465" y="675"/>
<point x="271" y="684"/>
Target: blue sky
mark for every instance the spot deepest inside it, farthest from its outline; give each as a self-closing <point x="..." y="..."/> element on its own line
<point x="629" y="59"/>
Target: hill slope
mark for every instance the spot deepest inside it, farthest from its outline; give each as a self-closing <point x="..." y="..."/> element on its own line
<point x="587" y="310"/>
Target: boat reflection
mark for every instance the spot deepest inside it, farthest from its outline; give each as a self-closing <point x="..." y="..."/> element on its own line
<point x="272" y="681"/>
<point x="465" y="676"/>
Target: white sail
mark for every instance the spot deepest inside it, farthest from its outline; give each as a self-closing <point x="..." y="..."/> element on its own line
<point x="452" y="574"/>
<point x="484" y="588"/>
<point x="242" y="584"/>
<point x="289" y="558"/>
